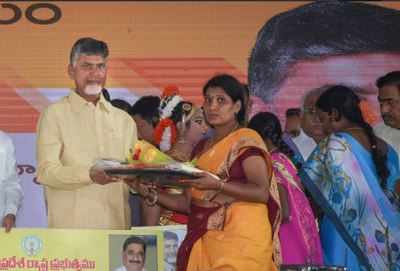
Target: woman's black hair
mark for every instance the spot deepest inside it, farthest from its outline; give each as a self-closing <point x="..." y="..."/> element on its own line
<point x="344" y="100"/>
<point x="233" y="88"/>
<point x="268" y="127"/>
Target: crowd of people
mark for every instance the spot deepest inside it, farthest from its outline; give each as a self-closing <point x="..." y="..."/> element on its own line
<point x="322" y="191"/>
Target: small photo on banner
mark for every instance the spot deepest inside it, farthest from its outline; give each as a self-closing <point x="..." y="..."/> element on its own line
<point x="173" y="237"/>
<point x="135" y="251"/>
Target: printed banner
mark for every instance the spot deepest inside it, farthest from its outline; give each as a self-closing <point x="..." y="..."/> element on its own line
<point x="79" y="250"/>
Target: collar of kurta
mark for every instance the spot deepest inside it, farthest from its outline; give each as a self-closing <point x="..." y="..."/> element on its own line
<point x="80" y="103"/>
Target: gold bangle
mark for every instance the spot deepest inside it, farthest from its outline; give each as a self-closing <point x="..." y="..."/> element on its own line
<point x="153" y="201"/>
<point x="221" y="185"/>
<point x="143" y="192"/>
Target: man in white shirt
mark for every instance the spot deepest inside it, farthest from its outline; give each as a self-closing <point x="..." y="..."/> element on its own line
<point x="10" y="187"/>
<point x="292" y="123"/>
<point x="133" y="254"/>
<point x="311" y="132"/>
<point x="389" y="101"/>
<point x="304" y="144"/>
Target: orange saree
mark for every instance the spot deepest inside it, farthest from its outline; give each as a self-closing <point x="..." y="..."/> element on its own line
<point x="233" y="235"/>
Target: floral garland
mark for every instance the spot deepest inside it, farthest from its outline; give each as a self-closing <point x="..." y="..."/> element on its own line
<point x="168" y="104"/>
<point x="165" y="134"/>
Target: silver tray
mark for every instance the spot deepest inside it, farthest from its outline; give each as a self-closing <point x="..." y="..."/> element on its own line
<point x="158" y="176"/>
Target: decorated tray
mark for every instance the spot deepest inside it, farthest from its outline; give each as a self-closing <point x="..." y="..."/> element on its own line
<point x="151" y="173"/>
<point x="159" y="174"/>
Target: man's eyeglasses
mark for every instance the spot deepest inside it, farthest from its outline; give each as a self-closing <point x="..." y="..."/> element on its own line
<point x="310" y="110"/>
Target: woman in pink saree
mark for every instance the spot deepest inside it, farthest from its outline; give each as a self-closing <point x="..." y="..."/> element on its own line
<point x="298" y="234"/>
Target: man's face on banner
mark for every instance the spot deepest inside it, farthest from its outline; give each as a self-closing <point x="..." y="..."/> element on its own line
<point x="170" y="251"/>
<point x="133" y="257"/>
<point x="359" y="70"/>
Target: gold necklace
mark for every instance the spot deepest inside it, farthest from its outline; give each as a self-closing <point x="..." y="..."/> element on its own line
<point x="212" y="141"/>
<point x="353" y="129"/>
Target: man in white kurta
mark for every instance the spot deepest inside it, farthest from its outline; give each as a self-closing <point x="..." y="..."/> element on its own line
<point x="10" y="187"/>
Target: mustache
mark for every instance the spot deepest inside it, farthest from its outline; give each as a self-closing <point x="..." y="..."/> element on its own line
<point x="135" y="261"/>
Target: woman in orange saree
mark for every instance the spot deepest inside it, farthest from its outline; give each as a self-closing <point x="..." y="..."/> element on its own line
<point x="233" y="218"/>
<point x="225" y="233"/>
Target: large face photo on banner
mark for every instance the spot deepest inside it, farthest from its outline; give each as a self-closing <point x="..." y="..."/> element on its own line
<point x="308" y="47"/>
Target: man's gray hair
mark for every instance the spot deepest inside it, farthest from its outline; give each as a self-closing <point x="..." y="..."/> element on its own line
<point x="316" y="92"/>
<point x="88" y="46"/>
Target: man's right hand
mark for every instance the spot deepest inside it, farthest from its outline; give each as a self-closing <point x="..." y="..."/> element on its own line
<point x="100" y="177"/>
<point x="8" y="222"/>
